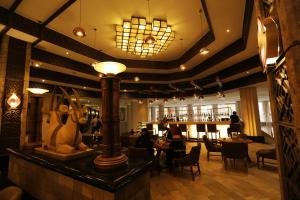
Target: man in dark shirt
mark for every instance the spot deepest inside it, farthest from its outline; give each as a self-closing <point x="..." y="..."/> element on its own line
<point x="234" y="118"/>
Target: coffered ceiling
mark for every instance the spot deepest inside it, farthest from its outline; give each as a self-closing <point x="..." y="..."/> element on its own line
<point x="226" y="28"/>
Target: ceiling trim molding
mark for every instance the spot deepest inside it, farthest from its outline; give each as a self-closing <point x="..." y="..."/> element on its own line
<point x="238" y="83"/>
<point x="238" y="68"/>
<point x="53" y="59"/>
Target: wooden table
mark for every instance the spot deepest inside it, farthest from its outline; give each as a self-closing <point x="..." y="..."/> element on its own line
<point x="237" y="140"/>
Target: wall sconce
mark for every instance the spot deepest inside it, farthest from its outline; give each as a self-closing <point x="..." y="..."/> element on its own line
<point x="13" y="101"/>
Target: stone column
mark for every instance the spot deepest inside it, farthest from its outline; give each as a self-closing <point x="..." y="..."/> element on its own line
<point x="177" y="112"/>
<point x="161" y="111"/>
<point x="249" y="111"/>
<point x="14" y="78"/>
<point x="153" y="114"/>
<point x="237" y="108"/>
<point x="190" y="112"/>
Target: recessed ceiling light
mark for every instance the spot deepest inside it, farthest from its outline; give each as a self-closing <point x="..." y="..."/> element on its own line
<point x="140" y="101"/>
<point x="136" y="79"/>
<point x="182" y="67"/>
<point x="43" y="80"/>
<point x="247" y="72"/>
<point x="67" y="52"/>
<point x="204" y="51"/>
<point x="100" y="75"/>
<point x="227" y="30"/>
<point x="84" y="87"/>
<point x="37" y="64"/>
<point x="124" y="90"/>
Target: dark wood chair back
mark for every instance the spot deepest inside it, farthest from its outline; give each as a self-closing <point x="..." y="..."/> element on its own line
<point x="172" y="125"/>
<point x="149" y="126"/>
<point x="211" y="128"/>
<point x="161" y="127"/>
<point x="208" y="144"/>
<point x="235" y="128"/>
<point x="183" y="127"/>
<point x="201" y="128"/>
<point x="194" y="154"/>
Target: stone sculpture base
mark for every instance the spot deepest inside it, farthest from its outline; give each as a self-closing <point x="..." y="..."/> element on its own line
<point x="61" y="156"/>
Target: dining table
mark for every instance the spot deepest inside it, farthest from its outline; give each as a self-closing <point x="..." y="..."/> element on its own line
<point x="238" y="140"/>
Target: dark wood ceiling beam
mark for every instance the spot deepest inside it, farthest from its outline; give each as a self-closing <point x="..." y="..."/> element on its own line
<point x="52" y="17"/>
<point x="73" y="45"/>
<point x="61" y="61"/>
<point x="233" y="70"/>
<point x="12" y="9"/>
<point x="238" y="83"/>
<point x="32" y="28"/>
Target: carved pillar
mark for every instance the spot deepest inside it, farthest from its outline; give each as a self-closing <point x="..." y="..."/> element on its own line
<point x="111" y="158"/>
<point x="14" y="79"/>
<point x="249" y="111"/>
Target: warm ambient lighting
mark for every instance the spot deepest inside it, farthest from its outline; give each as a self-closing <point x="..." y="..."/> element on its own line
<point x="142" y="38"/>
<point x="13" y="101"/>
<point x="136" y="79"/>
<point x="140" y="101"/>
<point x="182" y="67"/>
<point x="227" y="30"/>
<point x="109" y="67"/>
<point x="37" y="90"/>
<point x="204" y="51"/>
<point x="79" y="32"/>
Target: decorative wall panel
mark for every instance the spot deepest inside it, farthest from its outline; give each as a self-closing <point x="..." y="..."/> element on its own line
<point x="287" y="138"/>
<point x="11" y="118"/>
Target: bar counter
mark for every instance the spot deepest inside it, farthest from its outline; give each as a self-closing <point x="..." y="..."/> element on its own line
<point x="191" y="127"/>
<point x="47" y="178"/>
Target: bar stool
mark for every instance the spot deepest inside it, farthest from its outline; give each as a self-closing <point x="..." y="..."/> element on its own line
<point x="161" y="130"/>
<point x="183" y="128"/>
<point x="172" y="125"/>
<point x="200" y="129"/>
<point x="149" y="127"/>
<point x="212" y="128"/>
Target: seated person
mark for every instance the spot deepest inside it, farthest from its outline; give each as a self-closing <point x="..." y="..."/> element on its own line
<point x="177" y="146"/>
<point x="234" y="118"/>
<point x="145" y="141"/>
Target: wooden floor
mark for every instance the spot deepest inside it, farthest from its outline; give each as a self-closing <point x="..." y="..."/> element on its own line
<point x="215" y="183"/>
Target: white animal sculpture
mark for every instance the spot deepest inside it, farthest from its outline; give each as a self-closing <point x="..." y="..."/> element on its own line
<point x="63" y="135"/>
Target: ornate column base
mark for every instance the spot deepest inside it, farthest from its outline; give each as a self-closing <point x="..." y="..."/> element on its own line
<point x="111" y="163"/>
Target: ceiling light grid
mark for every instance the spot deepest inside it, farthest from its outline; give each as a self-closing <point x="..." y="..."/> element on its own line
<point x="131" y="36"/>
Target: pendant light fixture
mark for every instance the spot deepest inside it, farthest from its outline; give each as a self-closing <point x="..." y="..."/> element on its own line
<point x="95" y="40"/>
<point x="79" y="31"/>
<point x="149" y="39"/>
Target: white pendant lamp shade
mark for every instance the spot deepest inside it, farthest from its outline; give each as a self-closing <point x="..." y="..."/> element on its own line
<point x="110" y="67"/>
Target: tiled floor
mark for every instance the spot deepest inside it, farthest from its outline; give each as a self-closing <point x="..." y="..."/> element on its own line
<point x="215" y="183"/>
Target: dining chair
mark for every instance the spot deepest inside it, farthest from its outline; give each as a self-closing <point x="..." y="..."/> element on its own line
<point x="235" y="151"/>
<point x="183" y="128"/>
<point x="200" y="129"/>
<point x="212" y="129"/>
<point x="211" y="147"/>
<point x="149" y="127"/>
<point x="191" y="160"/>
<point x="234" y="129"/>
<point x="161" y="129"/>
